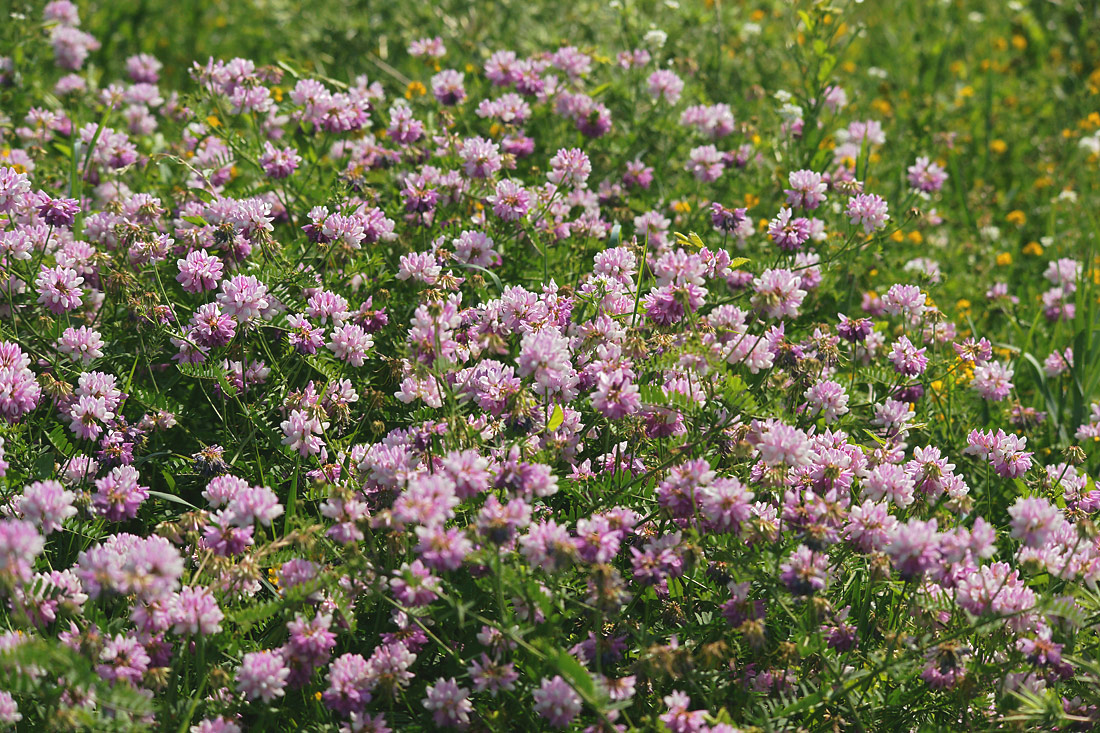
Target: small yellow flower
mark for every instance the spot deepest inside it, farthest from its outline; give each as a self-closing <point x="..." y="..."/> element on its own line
<point x="1019" y="42"/>
<point x="277" y="93"/>
<point x="751" y="200"/>
<point x="213" y="121"/>
<point x="916" y="237"/>
<point x="415" y="89"/>
<point x="937" y="385"/>
<point x="1004" y="259"/>
<point x="998" y="146"/>
<point x="470" y="68"/>
<point x="962" y="304"/>
<point x="757" y="15"/>
<point x="873" y="272"/>
<point x="965" y="372"/>
<point x="1016" y="217"/>
<point x="317" y="695"/>
<point x="882" y="106"/>
<point x="681" y="207"/>
<point x="898" y="236"/>
<point x="1033" y="248"/>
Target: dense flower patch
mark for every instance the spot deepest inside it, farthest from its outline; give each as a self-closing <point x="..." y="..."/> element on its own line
<point x="540" y="390"/>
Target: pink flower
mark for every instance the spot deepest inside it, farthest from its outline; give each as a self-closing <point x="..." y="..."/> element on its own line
<point x="194" y="610"/>
<point x="421" y="266"/>
<point x="447" y="87"/>
<point x="59" y="289"/>
<point x="449" y="704"/>
<point x="908" y="360"/>
<point x="569" y="167"/>
<point x="81" y="344"/>
<point x="86" y="415"/>
<point x="557" y="702"/>
<point x="992" y="380"/>
<point x="511" y="201"/>
<point x="787" y="233"/>
<point x="350" y="343"/>
<point x="924" y="175"/>
<point x="45" y="503"/>
<point x="914" y="547"/>
<point x="243" y="297"/>
<point x="303" y="432"/>
<point x="279" y="163"/>
<point x="20" y="544"/>
<point x="807" y="189"/>
<point x="1034" y="520"/>
<point x="868" y="210"/>
<point x="778" y="293"/>
<point x="199" y="271"/>
<point x="262" y="675"/>
<point x="665" y="83"/>
<point x="480" y="157"/>
<point x="119" y="494"/>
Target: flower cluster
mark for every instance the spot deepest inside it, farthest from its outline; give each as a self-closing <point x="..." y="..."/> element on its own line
<point x="568" y="388"/>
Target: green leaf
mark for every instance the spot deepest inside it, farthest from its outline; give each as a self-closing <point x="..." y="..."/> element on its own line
<point x="60" y="440"/>
<point x="196" y="220"/>
<point x="557" y="417"/>
<point x="249" y="616"/>
<point x="575" y="673"/>
<point x="874" y="437"/>
<point x="616" y="237"/>
<point x="169" y="497"/>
